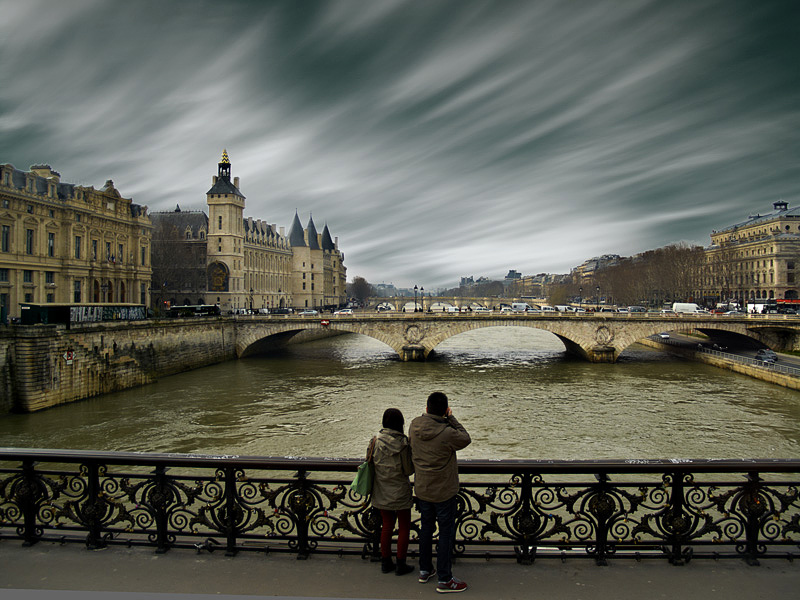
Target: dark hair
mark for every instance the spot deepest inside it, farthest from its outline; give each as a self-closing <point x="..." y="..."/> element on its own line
<point x="437" y="404"/>
<point x="393" y="419"/>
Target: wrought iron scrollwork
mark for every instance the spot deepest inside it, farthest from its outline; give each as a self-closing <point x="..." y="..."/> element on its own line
<point x="516" y="511"/>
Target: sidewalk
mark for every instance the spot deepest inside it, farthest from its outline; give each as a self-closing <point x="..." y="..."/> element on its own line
<point x="181" y="574"/>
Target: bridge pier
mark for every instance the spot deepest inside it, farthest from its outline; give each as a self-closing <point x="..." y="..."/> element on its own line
<point x="410" y="353"/>
<point x="602" y="354"/>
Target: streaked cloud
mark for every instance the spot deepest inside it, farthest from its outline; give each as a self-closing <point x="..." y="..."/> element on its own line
<point x="436" y="139"/>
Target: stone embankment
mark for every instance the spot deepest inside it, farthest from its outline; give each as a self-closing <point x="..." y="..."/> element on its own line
<point x="46" y="365"/>
<point x="718" y="359"/>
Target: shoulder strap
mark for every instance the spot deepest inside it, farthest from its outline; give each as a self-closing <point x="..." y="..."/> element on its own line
<point x="371" y="448"/>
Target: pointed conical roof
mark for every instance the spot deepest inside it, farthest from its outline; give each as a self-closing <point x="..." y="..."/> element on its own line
<point x="296" y="232"/>
<point x="313" y="241"/>
<point x="327" y="242"/>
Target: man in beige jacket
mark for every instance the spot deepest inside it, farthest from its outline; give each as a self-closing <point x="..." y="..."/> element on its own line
<point x="435" y="437"/>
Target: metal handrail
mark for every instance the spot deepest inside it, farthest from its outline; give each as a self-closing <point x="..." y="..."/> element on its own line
<point x="737" y="358"/>
<point x="674" y="509"/>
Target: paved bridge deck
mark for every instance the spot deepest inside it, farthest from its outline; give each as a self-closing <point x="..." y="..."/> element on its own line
<point x="37" y="571"/>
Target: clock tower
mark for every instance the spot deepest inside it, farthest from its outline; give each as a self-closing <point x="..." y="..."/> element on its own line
<point x="225" y="243"/>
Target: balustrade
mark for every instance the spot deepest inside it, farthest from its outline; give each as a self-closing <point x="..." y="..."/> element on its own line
<point x="523" y="509"/>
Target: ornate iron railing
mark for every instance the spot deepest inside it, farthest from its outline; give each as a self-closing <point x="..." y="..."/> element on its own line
<point x="668" y="509"/>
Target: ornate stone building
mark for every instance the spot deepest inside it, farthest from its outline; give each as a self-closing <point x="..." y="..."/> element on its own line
<point x="66" y="243"/>
<point x="237" y="262"/>
<point x="756" y="259"/>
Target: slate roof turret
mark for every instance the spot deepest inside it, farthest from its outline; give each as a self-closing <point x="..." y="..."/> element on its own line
<point x="327" y="242"/>
<point x="313" y="240"/>
<point x="296" y="233"/>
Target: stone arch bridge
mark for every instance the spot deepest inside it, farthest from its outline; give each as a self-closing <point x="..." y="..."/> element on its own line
<point x="45" y="365"/>
<point x="594" y="337"/>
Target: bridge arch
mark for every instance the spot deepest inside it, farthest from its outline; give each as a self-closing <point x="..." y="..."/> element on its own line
<point x="254" y="337"/>
<point x="595" y="338"/>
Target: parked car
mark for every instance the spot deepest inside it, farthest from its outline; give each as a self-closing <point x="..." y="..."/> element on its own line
<point x="766" y="355"/>
<point x="282" y="311"/>
<point x="663" y="335"/>
<point x="344" y="311"/>
<point x="481" y="309"/>
<point x="309" y="312"/>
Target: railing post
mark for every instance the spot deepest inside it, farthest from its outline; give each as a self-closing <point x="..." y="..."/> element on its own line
<point x="602" y="507"/>
<point x="301" y="514"/>
<point x="158" y="500"/>
<point x="27" y="496"/>
<point x="526" y="551"/>
<point x="376" y="522"/>
<point x="677" y="524"/>
<point x="94" y="507"/>
<point x="753" y="508"/>
<point x="231" y="511"/>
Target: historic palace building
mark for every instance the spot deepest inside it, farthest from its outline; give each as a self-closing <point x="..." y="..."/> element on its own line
<point x="756" y="259"/>
<point x="66" y="243"/>
<point x="242" y="263"/>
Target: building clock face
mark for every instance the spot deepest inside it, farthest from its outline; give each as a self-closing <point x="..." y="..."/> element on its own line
<point x="217" y="277"/>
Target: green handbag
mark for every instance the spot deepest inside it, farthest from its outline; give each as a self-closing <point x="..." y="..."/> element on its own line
<point x="362" y="484"/>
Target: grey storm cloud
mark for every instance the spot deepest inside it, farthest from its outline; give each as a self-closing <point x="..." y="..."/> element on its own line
<point x="436" y="139"/>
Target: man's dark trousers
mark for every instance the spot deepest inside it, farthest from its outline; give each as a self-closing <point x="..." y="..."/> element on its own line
<point x="443" y="514"/>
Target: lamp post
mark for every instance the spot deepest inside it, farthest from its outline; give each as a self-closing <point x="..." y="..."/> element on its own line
<point x="580" y="297"/>
<point x="422" y="298"/>
<point x="251" y="300"/>
<point x="415" y="298"/>
<point x="598" y="296"/>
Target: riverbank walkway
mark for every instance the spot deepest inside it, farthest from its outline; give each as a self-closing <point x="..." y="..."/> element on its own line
<point x="48" y="570"/>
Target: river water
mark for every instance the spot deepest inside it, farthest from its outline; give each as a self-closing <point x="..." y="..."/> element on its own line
<point x="515" y="390"/>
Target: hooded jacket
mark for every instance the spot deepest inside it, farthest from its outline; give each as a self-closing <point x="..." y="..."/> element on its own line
<point x="434" y="441"/>
<point x="391" y="489"/>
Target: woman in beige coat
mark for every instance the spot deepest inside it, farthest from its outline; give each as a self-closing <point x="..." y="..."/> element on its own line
<point x="391" y="489"/>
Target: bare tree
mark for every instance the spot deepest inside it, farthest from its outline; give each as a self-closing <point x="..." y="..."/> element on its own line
<point x="360" y="289"/>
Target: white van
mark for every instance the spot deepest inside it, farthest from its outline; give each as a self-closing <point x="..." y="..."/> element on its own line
<point x="548" y="309"/>
<point x="564" y="308"/>
<point x="687" y="307"/>
<point x="520" y="307"/>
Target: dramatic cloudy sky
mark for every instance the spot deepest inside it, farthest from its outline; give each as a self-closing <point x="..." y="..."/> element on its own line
<point x="436" y="138"/>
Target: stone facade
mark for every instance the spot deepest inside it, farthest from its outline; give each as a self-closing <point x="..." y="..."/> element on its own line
<point x="757" y="259"/>
<point x="66" y="243"/>
<point x="242" y="263"/>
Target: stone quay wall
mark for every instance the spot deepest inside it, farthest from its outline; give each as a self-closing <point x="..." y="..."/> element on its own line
<point x="754" y="371"/>
<point x="45" y="365"/>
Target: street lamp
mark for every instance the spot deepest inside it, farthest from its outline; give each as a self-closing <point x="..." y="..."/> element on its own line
<point x="415" y="298"/>
<point x="422" y="298"/>
<point x="580" y="297"/>
<point x="251" y="300"/>
<point x="598" y="296"/>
